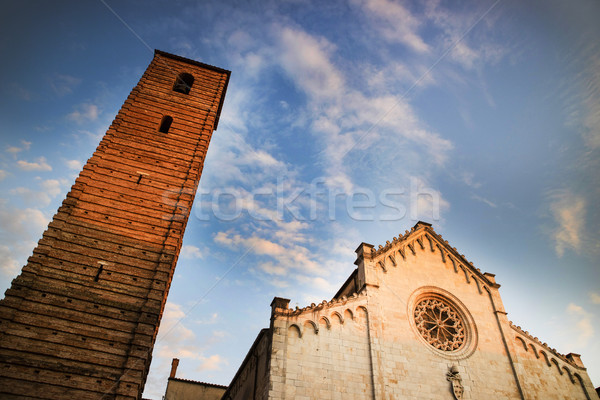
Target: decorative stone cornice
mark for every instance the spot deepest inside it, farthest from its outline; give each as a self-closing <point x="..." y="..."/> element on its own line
<point x="324" y="305"/>
<point x="563" y="357"/>
<point x="422" y="235"/>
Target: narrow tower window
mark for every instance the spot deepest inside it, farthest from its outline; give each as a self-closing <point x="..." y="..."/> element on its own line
<point x="165" y="124"/>
<point x="183" y="83"/>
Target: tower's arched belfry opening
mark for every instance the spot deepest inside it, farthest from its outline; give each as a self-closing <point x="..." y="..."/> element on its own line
<point x="81" y="319"/>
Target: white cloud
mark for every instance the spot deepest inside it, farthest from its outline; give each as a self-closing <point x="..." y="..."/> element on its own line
<point x="345" y="119"/>
<point x="189" y="251"/>
<point x="25" y="145"/>
<point x="21" y="223"/>
<point x="395" y="23"/>
<point x="212" y="363"/>
<point x="287" y="257"/>
<point x="9" y="266"/>
<point x="39" y="165"/>
<point x="306" y="59"/>
<point x="568" y="211"/>
<point x="212" y="320"/>
<point x="75" y="165"/>
<point x="50" y="188"/>
<point x="85" y="113"/>
<point x="271" y="269"/>
<point x="19" y="230"/>
<point x="595" y="298"/>
<point x="583" y="325"/>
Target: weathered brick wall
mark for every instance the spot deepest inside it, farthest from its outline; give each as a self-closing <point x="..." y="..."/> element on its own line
<point x="368" y="345"/>
<point x="81" y="319"/>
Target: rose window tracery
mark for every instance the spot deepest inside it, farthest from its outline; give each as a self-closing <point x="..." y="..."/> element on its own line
<point x="439" y="324"/>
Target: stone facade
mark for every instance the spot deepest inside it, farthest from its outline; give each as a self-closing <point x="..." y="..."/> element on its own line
<point x="81" y="319"/>
<point x="415" y="320"/>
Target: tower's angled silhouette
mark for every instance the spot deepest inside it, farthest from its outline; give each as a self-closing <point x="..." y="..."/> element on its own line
<point x="81" y="319"/>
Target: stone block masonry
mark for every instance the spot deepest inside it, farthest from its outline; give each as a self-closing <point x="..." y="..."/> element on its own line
<point x="81" y="319"/>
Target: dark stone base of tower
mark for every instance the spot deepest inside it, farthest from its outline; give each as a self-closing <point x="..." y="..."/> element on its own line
<point x="81" y="319"/>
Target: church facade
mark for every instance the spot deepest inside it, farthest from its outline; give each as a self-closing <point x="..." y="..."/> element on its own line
<point x="415" y="320"/>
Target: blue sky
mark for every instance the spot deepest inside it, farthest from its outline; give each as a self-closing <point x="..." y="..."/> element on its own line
<point x="344" y="122"/>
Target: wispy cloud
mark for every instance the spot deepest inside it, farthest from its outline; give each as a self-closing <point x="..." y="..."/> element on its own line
<point x="212" y="363"/>
<point x="568" y="211"/>
<point x="583" y="324"/>
<point x="25" y="145"/>
<point x="64" y="84"/>
<point x="75" y="165"/>
<point x="289" y="256"/>
<point x="85" y="113"/>
<point x="19" y="91"/>
<point x="343" y="117"/>
<point x="189" y="251"/>
<point x="484" y="200"/>
<point x="591" y="102"/>
<point x="19" y="230"/>
<point x="394" y="22"/>
<point x="49" y="189"/>
<point x="595" y="297"/>
<point x="40" y="164"/>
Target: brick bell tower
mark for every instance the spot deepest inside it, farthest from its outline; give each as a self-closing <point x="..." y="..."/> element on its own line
<point x="81" y="319"/>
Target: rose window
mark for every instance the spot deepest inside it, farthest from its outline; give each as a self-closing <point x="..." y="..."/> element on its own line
<point x="439" y="324"/>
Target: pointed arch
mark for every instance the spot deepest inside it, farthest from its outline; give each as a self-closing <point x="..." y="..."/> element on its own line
<point x="308" y="324"/>
<point x="348" y="314"/>
<point x="583" y="388"/>
<point x="442" y="254"/>
<point x="430" y="240"/>
<point x="542" y="352"/>
<point x="325" y="321"/>
<point x="477" y="283"/>
<point x="522" y="342"/>
<point x="569" y="374"/>
<point x="534" y="350"/>
<point x="391" y="257"/>
<point x="453" y="264"/>
<point x="420" y="241"/>
<point x="336" y="315"/>
<point x="294" y="329"/>
<point x="401" y="252"/>
<point x="466" y="273"/>
<point x="557" y="366"/>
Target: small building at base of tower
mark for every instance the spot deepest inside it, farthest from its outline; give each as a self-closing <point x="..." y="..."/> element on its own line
<point x="184" y="389"/>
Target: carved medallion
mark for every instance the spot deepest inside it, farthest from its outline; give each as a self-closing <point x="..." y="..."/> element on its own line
<point x="456" y="382"/>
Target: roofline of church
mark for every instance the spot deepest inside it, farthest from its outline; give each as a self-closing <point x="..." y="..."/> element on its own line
<point x="487" y="277"/>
